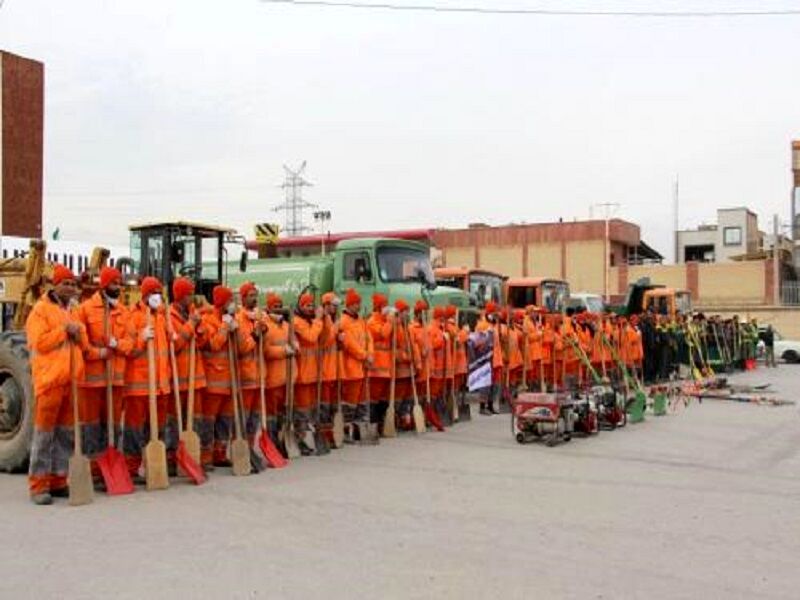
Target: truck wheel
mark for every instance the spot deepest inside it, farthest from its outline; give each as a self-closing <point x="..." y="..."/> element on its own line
<point x="16" y="402"/>
<point x="790" y="356"/>
<point x="520" y="438"/>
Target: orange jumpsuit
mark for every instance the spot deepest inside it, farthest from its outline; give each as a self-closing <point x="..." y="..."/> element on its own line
<point x="102" y="322"/>
<point x="216" y="422"/>
<point x="276" y="355"/>
<point x="248" y="371"/>
<point x="356" y="350"/>
<point x="184" y="332"/>
<point x="309" y="367"/>
<point x="137" y="426"/>
<point x="329" y="350"/>
<point x="52" y="354"/>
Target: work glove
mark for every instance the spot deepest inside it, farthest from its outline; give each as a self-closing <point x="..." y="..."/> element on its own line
<point x="113" y="343"/>
<point x="148" y="333"/>
<point x="388" y="310"/>
<point x="230" y="322"/>
<point x="104" y="352"/>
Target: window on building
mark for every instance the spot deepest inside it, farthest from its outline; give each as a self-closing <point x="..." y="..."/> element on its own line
<point x="732" y="236"/>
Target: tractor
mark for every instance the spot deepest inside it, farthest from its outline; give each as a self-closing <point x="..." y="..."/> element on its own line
<point x="165" y="250"/>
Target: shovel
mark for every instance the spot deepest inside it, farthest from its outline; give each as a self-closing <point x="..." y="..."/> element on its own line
<point x="257" y="464"/>
<point x="155" y="453"/>
<point x="240" y="449"/>
<point x="189" y="436"/>
<point x="112" y="462"/>
<point x="338" y="417"/>
<point x="389" y="425"/>
<point x="368" y="432"/>
<point x="320" y="440"/>
<point x="79" y="476"/>
<point x="186" y="463"/>
<point x="417" y="413"/>
<point x="289" y="437"/>
<point x="273" y="456"/>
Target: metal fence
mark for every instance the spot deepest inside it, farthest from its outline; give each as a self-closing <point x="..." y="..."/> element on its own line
<point x="790" y="293"/>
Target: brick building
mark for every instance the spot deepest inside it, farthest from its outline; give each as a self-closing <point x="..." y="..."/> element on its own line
<point x="21" y="145"/>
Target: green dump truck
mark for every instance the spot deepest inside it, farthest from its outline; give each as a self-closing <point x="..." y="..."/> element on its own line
<point x="395" y="268"/>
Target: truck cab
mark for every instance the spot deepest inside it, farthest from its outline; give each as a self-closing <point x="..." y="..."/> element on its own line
<point x="644" y="296"/>
<point x="180" y="249"/>
<point x="482" y="286"/>
<point x="395" y="268"/>
<point x="550" y="294"/>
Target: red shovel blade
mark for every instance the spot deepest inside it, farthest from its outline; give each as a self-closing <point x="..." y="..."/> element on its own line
<point x="432" y="416"/>
<point x="271" y="453"/>
<point x="188" y="465"/>
<point x="115" y="472"/>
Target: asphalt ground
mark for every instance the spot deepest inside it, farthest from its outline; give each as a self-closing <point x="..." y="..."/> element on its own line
<point x="704" y="503"/>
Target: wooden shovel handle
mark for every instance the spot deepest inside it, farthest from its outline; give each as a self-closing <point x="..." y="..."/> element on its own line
<point x="151" y="381"/>
<point x="109" y="383"/>
<point x="234" y="385"/>
<point x="73" y="380"/>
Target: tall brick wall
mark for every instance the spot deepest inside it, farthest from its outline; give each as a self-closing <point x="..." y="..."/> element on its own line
<point x="22" y="124"/>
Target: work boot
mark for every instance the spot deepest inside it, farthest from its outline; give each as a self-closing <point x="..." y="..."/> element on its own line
<point x="483" y="410"/>
<point x="492" y="409"/>
<point x="60" y="493"/>
<point x="42" y="499"/>
<point x="305" y="450"/>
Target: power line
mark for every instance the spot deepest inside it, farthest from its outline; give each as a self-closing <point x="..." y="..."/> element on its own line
<point x="483" y="10"/>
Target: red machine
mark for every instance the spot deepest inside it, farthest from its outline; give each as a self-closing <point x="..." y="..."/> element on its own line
<point x="549" y="417"/>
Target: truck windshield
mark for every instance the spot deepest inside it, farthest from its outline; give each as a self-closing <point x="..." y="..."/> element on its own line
<point x="486" y="288"/>
<point x="683" y="301"/>
<point x="404" y="264"/>
<point x="554" y="296"/>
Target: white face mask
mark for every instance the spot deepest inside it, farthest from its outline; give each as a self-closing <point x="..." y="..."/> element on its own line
<point x="154" y="301"/>
<point x="231" y="308"/>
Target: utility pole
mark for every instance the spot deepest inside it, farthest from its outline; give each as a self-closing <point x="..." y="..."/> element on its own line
<point x="294" y="203"/>
<point x="676" y="200"/>
<point x="322" y="217"/>
<point x="776" y="265"/>
<point x="609" y="208"/>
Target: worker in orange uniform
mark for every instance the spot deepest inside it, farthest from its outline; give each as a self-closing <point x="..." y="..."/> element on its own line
<point x="491" y="324"/>
<point x="357" y="358"/>
<point x="308" y="326"/>
<point x="516" y="354"/>
<point x="637" y="348"/>
<point x="403" y="393"/>
<point x="216" y="422"/>
<point x="458" y="343"/>
<point x="185" y="323"/>
<point x="329" y="351"/>
<point x="437" y="344"/>
<point x="105" y="321"/>
<point x="250" y="326"/>
<point x="279" y="349"/>
<point x="146" y="321"/>
<point x="421" y="348"/>
<point x="380" y="325"/>
<point x="55" y="338"/>
<point x="532" y="328"/>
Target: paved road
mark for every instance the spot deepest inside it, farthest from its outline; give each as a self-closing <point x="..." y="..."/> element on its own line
<point x="703" y="504"/>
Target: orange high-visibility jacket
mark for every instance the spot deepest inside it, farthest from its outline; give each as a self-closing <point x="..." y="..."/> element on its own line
<point x="136" y="373"/>
<point x="50" y="346"/>
<point x="356" y="346"/>
<point x="380" y="330"/>
<point x="533" y="339"/>
<point x="436" y="343"/>
<point x="422" y="353"/>
<point x="403" y="367"/>
<point x="628" y="342"/>
<point x="455" y="346"/>
<point x="515" y="347"/>
<point x="308" y="332"/>
<point x="276" y="346"/>
<point x="216" y="361"/>
<point x="329" y="346"/>
<point x="184" y="332"/>
<point x="101" y="324"/>
<point x="247" y="349"/>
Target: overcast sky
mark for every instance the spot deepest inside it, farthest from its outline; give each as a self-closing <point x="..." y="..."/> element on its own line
<point x="188" y="109"/>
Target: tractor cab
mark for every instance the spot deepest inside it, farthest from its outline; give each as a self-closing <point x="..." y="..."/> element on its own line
<point x="181" y="249"/>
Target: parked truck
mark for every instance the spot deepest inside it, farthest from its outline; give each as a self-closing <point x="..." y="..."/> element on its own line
<point x="645" y="296"/>
<point x="395" y="268"/>
<point x="481" y="285"/>
<point x="550" y="294"/>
